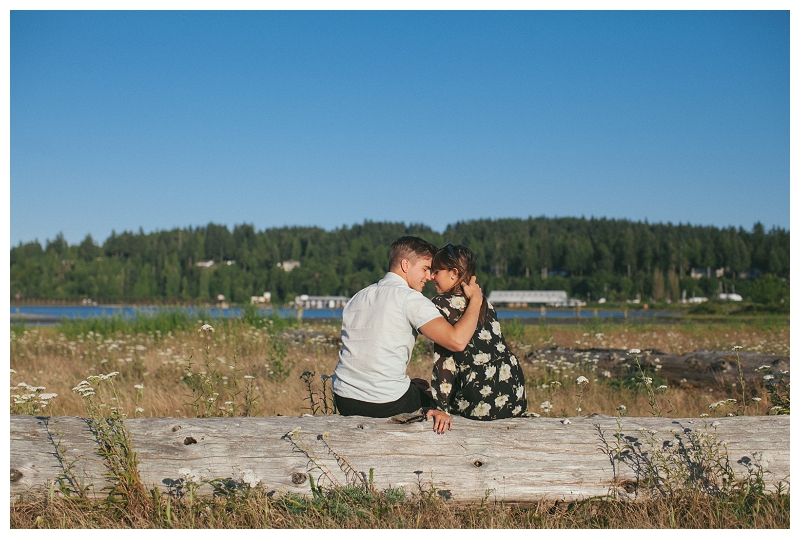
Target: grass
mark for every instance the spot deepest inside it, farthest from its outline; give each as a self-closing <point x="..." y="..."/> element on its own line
<point x="353" y="508"/>
<point x="172" y="366"/>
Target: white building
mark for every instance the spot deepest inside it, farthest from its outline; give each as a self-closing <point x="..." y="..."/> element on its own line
<point x="288" y="265"/>
<point x="266" y="298"/>
<point x="522" y="298"/>
<point x="321" y="302"/>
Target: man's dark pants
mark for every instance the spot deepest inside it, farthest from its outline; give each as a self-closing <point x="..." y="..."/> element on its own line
<point x="416" y="397"/>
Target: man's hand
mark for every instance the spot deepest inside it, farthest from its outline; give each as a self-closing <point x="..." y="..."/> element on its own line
<point x="441" y="421"/>
<point x="472" y="290"/>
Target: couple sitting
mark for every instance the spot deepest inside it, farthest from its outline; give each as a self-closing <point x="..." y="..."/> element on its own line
<point x="475" y="375"/>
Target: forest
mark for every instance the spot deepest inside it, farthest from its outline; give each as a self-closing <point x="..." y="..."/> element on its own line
<point x="589" y="258"/>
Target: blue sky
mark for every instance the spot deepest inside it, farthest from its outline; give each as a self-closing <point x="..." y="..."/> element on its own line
<point x="121" y="120"/>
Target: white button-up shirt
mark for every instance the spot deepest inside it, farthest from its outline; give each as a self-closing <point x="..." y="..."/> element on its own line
<point x="379" y="329"/>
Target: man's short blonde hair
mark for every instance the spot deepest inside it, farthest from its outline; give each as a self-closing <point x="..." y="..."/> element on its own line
<point x="410" y="247"/>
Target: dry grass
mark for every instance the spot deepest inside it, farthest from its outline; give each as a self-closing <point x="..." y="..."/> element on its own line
<point x="351" y="508"/>
<point x="159" y="364"/>
<point x="155" y="371"/>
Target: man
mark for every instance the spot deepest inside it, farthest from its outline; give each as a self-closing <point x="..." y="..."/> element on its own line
<point x="380" y="325"/>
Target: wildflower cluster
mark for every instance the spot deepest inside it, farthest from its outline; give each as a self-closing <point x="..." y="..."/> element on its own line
<point x="777" y="384"/>
<point x="216" y="394"/>
<point x="28" y="399"/>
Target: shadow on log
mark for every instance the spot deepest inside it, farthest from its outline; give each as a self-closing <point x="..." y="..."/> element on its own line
<point x="516" y="460"/>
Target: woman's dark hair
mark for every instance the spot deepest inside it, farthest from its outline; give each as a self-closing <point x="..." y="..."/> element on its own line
<point x="460" y="259"/>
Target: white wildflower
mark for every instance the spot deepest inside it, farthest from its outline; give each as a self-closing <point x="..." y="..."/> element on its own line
<point x="249" y="478"/>
<point x="768" y="377"/>
<point x="737" y="347"/>
<point x="634" y="351"/>
<point x="662" y="387"/>
<point x="207" y="328"/>
<point x="756" y="399"/>
<point x="607" y="374"/>
<point x="48" y="396"/>
<point x="621" y="408"/>
<point x="138" y="386"/>
<point x="581" y="380"/>
<point x="139" y="409"/>
<point x="546" y="406"/>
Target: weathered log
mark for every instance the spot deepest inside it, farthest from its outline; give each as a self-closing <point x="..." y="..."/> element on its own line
<point x="524" y="459"/>
<point x="701" y="368"/>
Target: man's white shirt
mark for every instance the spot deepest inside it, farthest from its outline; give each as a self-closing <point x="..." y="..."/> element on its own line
<point x="380" y="325"/>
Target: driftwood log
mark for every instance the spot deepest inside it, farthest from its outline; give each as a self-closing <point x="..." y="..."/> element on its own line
<point x="701" y="368"/>
<point x="516" y="460"/>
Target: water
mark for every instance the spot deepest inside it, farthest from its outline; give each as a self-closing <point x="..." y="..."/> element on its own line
<point x="51" y="315"/>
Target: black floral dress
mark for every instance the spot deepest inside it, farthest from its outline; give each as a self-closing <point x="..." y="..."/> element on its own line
<point x="485" y="381"/>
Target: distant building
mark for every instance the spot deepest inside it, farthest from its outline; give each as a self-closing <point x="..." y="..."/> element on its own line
<point x="697" y="273"/>
<point x="321" y="302"/>
<point x="204" y="263"/>
<point x="522" y="298"/>
<point x="266" y="298"/>
<point x="730" y="297"/>
<point x="288" y="265"/>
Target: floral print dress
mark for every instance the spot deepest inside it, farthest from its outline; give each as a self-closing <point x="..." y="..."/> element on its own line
<point x="485" y="381"/>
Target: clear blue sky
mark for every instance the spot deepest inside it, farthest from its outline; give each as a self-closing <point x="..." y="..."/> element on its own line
<point x="121" y="120"/>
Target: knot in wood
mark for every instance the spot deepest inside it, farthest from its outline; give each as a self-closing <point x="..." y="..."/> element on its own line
<point x="16" y="475"/>
<point x="298" y="478"/>
<point x="189" y="440"/>
<point x="477" y="463"/>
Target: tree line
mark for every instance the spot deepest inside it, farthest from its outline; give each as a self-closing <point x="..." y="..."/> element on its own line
<point x="589" y="258"/>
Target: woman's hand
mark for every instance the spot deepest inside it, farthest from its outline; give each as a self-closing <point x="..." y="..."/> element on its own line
<point x="473" y="289"/>
<point x="441" y="421"/>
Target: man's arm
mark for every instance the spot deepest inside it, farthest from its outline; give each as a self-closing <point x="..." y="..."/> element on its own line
<point x="456" y="338"/>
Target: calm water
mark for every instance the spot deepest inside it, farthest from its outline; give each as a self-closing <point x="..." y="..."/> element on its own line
<point x="50" y="315"/>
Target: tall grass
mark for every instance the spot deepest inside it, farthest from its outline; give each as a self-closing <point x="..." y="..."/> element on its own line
<point x="171" y="366"/>
<point x="355" y="508"/>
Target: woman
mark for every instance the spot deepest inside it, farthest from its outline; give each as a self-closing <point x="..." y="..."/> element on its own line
<point x="485" y="381"/>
